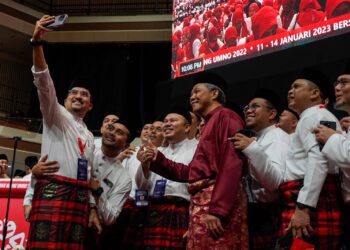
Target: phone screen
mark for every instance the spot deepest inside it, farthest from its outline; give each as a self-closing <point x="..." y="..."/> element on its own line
<point x="329" y="124"/>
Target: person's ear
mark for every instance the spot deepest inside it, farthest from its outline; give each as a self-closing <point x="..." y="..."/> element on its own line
<point x="215" y="94"/>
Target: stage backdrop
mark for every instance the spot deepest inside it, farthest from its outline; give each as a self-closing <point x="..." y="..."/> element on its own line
<point x="212" y="33"/>
<point x="17" y="227"/>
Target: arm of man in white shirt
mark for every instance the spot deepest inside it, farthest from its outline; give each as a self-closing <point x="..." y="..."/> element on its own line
<point x="42" y="80"/>
<point x="337" y="149"/>
<point x="316" y="169"/>
<point x="267" y="163"/>
<point x="110" y="207"/>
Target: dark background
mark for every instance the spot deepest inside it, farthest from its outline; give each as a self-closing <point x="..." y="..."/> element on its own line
<point x="133" y="80"/>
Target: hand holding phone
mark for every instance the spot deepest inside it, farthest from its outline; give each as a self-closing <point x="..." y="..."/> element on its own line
<point x="329" y="124"/>
<point x="58" y="22"/>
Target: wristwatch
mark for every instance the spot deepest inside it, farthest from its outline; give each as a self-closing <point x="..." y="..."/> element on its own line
<point x="36" y="43"/>
<point x="302" y="206"/>
<point x="97" y="192"/>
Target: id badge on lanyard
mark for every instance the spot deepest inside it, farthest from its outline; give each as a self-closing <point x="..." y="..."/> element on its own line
<point x="82" y="174"/>
<point x="141" y="198"/>
<point x="159" y="189"/>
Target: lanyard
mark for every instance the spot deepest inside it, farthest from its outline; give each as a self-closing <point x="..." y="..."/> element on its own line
<point x="81" y="146"/>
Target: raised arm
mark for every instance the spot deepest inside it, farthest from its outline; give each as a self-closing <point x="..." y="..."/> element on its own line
<point x="39" y="61"/>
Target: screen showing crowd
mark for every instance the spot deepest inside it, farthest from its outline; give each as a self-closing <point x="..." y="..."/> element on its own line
<point x="211" y="33"/>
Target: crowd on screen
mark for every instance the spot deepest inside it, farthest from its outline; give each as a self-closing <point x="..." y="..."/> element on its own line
<point x="270" y="176"/>
<point x="204" y="27"/>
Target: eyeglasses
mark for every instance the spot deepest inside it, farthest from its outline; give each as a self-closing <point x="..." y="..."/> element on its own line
<point x="83" y="93"/>
<point x="342" y="82"/>
<point x="253" y="107"/>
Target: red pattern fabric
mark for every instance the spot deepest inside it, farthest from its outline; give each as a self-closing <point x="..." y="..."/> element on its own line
<point x="167" y="222"/>
<point x="236" y="229"/>
<point x="59" y="215"/>
<point x="128" y="230"/>
<point x="325" y="219"/>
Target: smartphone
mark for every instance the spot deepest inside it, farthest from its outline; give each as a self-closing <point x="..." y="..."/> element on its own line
<point x="329" y="124"/>
<point x="246" y="132"/>
<point x="59" y="21"/>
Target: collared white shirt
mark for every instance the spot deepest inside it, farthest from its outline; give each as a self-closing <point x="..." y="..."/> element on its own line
<point x="116" y="184"/>
<point x="337" y="150"/>
<point x="268" y="151"/>
<point x="61" y="129"/>
<point x="132" y="165"/>
<point x="305" y="160"/>
<point x="181" y="152"/>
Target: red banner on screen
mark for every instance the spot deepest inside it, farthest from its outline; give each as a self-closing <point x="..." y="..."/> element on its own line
<point x="17" y="227"/>
<point x="208" y="34"/>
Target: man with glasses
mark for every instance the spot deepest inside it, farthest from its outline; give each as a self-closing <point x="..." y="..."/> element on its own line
<point x="268" y="149"/>
<point x="60" y="207"/>
<point x="337" y="145"/>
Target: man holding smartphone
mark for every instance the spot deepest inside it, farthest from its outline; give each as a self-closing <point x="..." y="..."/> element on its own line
<point x="336" y="145"/>
<point x="60" y="206"/>
<point x="270" y="147"/>
<point x="310" y="179"/>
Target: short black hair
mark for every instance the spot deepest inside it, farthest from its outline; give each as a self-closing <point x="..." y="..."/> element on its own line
<point x="3" y="157"/>
<point x="30" y="161"/>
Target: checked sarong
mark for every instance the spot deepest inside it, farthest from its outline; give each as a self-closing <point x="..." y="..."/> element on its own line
<point x="59" y="216"/>
<point x="325" y="219"/>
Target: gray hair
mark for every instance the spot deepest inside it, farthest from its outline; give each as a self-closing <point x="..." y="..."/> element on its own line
<point x="222" y="97"/>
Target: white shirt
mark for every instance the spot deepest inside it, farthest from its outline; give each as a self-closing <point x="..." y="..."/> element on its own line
<point x="28" y="197"/>
<point x="181" y="152"/>
<point x="116" y="184"/>
<point x="132" y="165"/>
<point x="305" y="160"/>
<point x="337" y="150"/>
<point x="269" y="151"/>
<point x="61" y="129"/>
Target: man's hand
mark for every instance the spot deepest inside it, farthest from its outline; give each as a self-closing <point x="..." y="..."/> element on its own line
<point x="345" y="123"/>
<point x="45" y="168"/>
<point x="94" y="221"/>
<point x="27" y="209"/>
<point x="214" y="226"/>
<point x="40" y="28"/>
<point x="241" y="141"/>
<point x="127" y="153"/>
<point x="147" y="153"/>
<point x="300" y="223"/>
<point x="323" y="133"/>
<point x="94" y="183"/>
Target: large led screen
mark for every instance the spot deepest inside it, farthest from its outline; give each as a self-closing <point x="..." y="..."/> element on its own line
<point x="212" y="33"/>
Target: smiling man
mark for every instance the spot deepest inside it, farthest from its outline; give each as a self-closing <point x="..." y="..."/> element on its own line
<point x="218" y="202"/>
<point x="337" y="145"/>
<point x="310" y="179"/>
<point x="167" y="219"/>
<point x="111" y="183"/>
<point x="53" y="222"/>
<point x="268" y="149"/>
